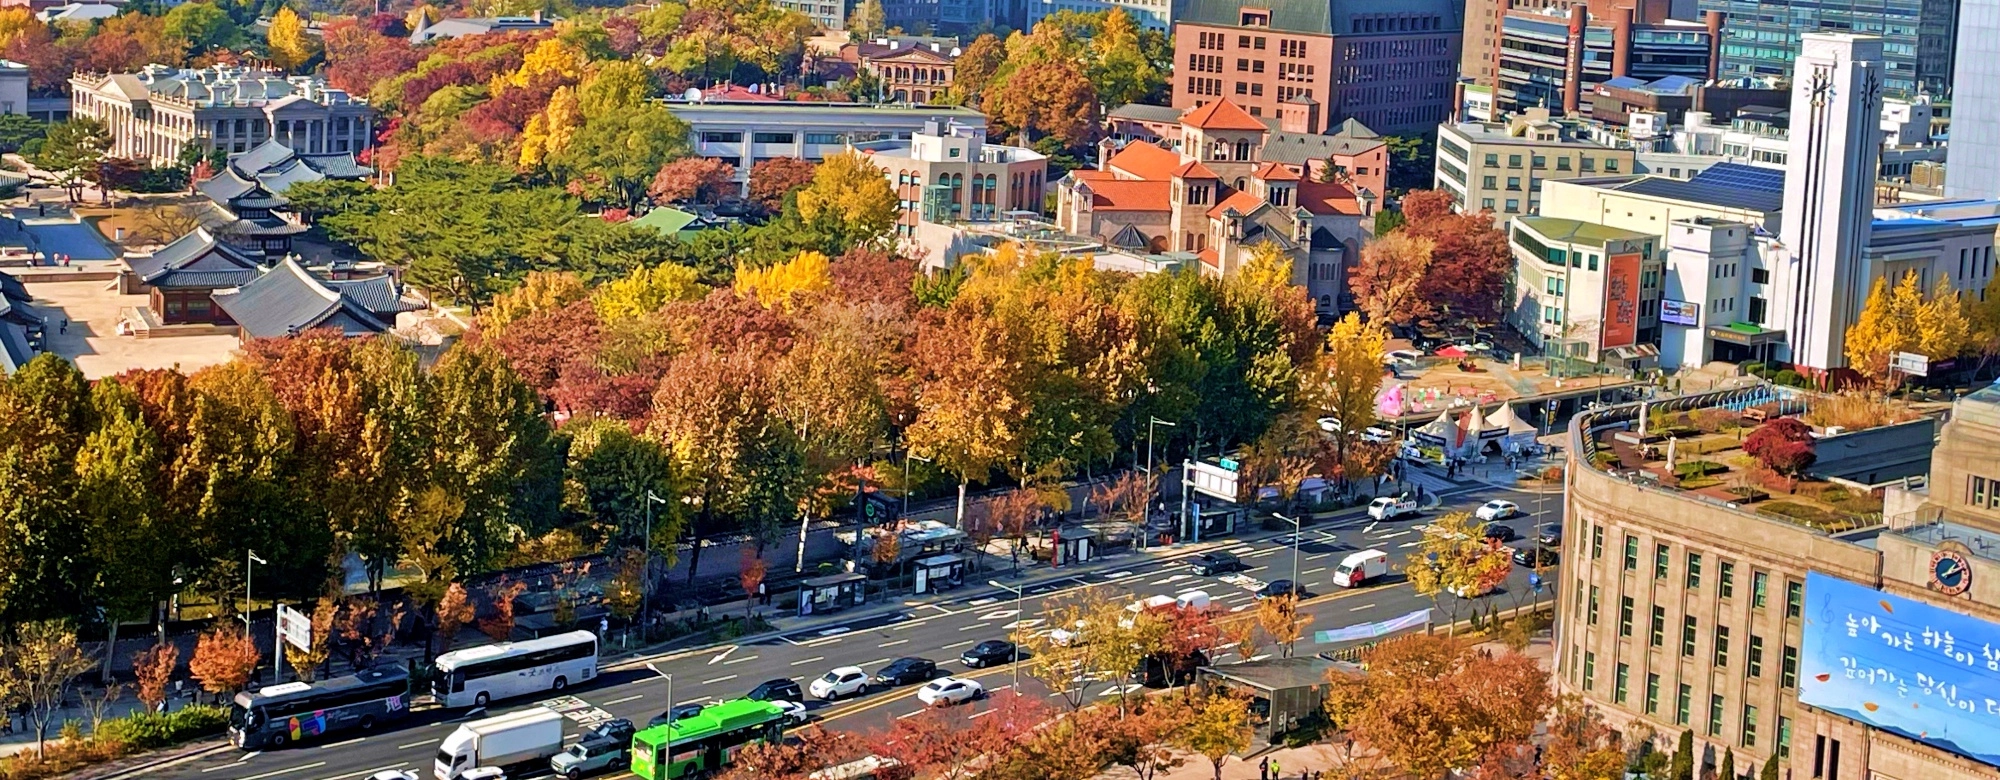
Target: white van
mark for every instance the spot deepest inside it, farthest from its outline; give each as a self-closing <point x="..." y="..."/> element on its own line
<point x="1194" y="599"/>
<point x="1358" y="569"/>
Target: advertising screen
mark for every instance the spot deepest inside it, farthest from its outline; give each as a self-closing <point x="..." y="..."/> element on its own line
<point x="1621" y="301"/>
<point x="1926" y="673"/>
<point x="1674" y="312"/>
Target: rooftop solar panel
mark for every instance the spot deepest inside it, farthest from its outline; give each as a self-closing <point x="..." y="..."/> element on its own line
<point x="1711" y="193"/>
<point x="1747" y="177"/>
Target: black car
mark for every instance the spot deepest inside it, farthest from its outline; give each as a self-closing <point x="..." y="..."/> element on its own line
<point x="1535" y="556"/>
<point x="677" y="713"/>
<point x="1552" y="535"/>
<point x="617" y="730"/>
<point x="777" y="690"/>
<point x="1499" y="533"/>
<point x="904" y="671"/>
<point x="1212" y="563"/>
<point x="1280" y="588"/>
<point x="989" y="653"/>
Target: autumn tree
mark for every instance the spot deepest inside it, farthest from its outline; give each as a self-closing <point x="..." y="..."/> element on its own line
<point x="1901" y="319"/>
<point x="788" y="284"/>
<point x="977" y="65"/>
<point x="750" y="575"/>
<point x="614" y="158"/>
<point x="305" y="663"/>
<point x="1432" y="703"/>
<point x="1220" y="726"/>
<point x="1454" y="557"/>
<point x="36" y="670"/>
<point x="773" y="179"/>
<point x="538" y="292"/>
<point x="154" y="668"/>
<point x="223" y="660"/>
<point x="868" y="20"/>
<point x="1280" y="619"/>
<point x="644" y="291"/>
<point x="291" y="46"/>
<point x="500" y="597"/>
<point x="454" y="611"/>
<point x="1350" y="375"/>
<point x="1470" y="260"/>
<point x="698" y="179"/>
<point x="1580" y="746"/>
<point x="849" y="197"/>
<point x="1143" y="737"/>
<point x="1392" y="271"/>
<point x="1783" y="445"/>
<point x="1046" y="98"/>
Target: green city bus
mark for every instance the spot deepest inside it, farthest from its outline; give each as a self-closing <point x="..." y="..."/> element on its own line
<point x="704" y="743"/>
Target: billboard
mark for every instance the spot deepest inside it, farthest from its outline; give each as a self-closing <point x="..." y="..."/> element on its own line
<point x="1621" y="301"/>
<point x="1921" y="671"/>
<point x="1674" y="312"/>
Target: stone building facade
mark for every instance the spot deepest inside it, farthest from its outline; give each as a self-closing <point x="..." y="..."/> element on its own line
<point x="155" y="113"/>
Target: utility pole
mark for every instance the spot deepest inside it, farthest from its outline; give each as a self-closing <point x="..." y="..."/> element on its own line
<point x="909" y="455"/>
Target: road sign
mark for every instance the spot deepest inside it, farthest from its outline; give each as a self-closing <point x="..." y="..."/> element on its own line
<point x="295" y="627"/>
<point x="1910" y="363"/>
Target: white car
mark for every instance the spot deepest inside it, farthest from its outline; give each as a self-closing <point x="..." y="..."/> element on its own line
<point x="1374" y="434"/>
<point x="950" y="690"/>
<point x="1330" y="424"/>
<point x="1497" y="510"/>
<point x="1404" y="354"/>
<point x="842" y="681"/>
<point x="795" y="713"/>
<point x="393" y="774"/>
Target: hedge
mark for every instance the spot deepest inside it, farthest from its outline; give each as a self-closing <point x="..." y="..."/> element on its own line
<point x="115" y="738"/>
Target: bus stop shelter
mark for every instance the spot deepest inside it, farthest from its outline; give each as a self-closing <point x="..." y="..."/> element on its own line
<point x="832" y="593"/>
<point x="1286" y="692"/>
<point x="1073" y="544"/>
<point x="938" y="572"/>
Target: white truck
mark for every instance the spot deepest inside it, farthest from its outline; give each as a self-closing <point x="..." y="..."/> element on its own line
<point x="1388" y="507"/>
<point x="528" y="738"/>
<point x="1358" y="569"/>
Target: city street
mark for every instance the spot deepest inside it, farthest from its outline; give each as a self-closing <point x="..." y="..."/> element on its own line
<point x="939" y="631"/>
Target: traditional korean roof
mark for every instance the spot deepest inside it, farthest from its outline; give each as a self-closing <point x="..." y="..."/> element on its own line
<point x="288" y="299"/>
<point x="196" y="261"/>
<point x="1141" y="112"/>
<point x="20" y="325"/>
<point x="1222" y="115"/>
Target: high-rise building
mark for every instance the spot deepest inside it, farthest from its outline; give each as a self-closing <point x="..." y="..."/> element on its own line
<point x="1974" y="162"/>
<point x="1830" y="188"/>
<point x="1543" y="54"/>
<point x="1761" y="38"/>
<point x="1393" y="67"/>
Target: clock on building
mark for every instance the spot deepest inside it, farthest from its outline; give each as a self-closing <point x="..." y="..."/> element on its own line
<point x="1950" y="574"/>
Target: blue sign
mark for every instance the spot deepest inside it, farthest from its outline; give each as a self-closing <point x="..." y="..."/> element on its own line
<point x="1921" y="671"/>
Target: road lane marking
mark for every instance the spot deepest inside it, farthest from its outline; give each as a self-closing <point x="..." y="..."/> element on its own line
<point x="982" y="602"/>
<point x="420" y="744"/>
<point x="367" y="772"/>
<point x="300" y="768"/>
<point x="832" y="640"/>
<point x="1000" y="614"/>
<point x="867" y="664"/>
<point x="835" y="631"/>
<point x="1392" y="536"/>
<point x="1317" y="557"/>
<point x="1272" y="551"/>
<point x="894" y="643"/>
<point x="722" y="655"/>
<point x="1312" y="571"/>
<point x="633" y="697"/>
<point x="1362" y="607"/>
<point x="958" y="644"/>
<point x="338" y="744"/>
<point x="724" y="678"/>
<point x="978" y="714"/>
<point x="809" y="660"/>
<point x="982" y="624"/>
<point x="909" y="714"/>
<point x="1118" y="575"/>
<point x="1243" y="549"/>
<point x="741" y="660"/>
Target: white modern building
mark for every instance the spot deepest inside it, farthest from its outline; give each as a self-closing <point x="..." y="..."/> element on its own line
<point x="743" y="133"/>
<point x="152" y="114"/>
<point x="1975" y="111"/>
<point x="1830" y="189"/>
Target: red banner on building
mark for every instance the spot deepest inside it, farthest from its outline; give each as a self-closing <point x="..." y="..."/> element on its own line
<point x="1621" y="301"/>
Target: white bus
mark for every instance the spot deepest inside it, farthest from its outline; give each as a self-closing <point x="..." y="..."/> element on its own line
<point x="477" y="675"/>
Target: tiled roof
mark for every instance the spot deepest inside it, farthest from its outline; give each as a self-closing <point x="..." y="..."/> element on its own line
<point x="1193" y="169"/>
<point x="288" y="299"/>
<point x="1275" y="172"/>
<point x="1129" y="195"/>
<point x="1323" y="198"/>
<point x="198" y="261"/>
<point x="1300" y="148"/>
<point x="226" y="186"/>
<point x="11" y="287"/>
<point x="1129" y="237"/>
<point x="1243" y="202"/>
<point x="1222" y="115"/>
<point x="1353" y="128"/>
<point x="1207" y="257"/>
<point x="1145" y="162"/>
<point x="1140" y="112"/>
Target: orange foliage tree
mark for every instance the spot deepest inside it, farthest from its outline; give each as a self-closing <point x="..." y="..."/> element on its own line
<point x="1431" y="703"/>
<point x="224" y="659"/>
<point x="154" y="668"/>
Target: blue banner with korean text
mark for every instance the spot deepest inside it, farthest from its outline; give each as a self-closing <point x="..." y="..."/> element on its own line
<point x="1924" y="672"/>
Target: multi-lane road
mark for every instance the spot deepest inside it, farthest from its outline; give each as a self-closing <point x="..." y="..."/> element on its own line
<point x="938" y="630"/>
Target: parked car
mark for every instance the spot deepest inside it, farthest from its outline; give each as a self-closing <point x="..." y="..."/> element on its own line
<point x="1209" y="564"/>
<point x="1330" y="424"/>
<point x="1535" y="556"/>
<point x="1374" y="434"/>
<point x="1280" y="588"/>
<point x="590" y="757"/>
<point x="616" y="730"/>
<point x="946" y="691"/>
<point x="674" y="713"/>
<point x="795" y="713"/>
<point x="1552" y="535"/>
<point x="1497" y="510"/>
<point x="1404" y="354"/>
<point x="989" y="653"/>
<point x="777" y="690"/>
<point x="841" y="681"/>
<point x="393" y="774"/>
<point x="904" y="671"/>
<point x="1499" y="533"/>
<point x="1068" y="635"/>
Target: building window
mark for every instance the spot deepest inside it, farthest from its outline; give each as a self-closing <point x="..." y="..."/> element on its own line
<point x="1539" y="162"/>
<point x="1596" y="542"/>
<point x="1760" y="276"/>
<point x="1756" y="652"/>
<point x="1592" y="619"/>
<point x="1493" y="160"/>
<point x="1625" y="616"/>
<point x="822" y="138"/>
<point x="1682" y="703"/>
<point x="1694" y="571"/>
<point x="1589" y="669"/>
<point x="1610" y="165"/>
<point x="1659" y="558"/>
<point x="773" y="138"/>
<point x="1758" y="582"/>
<point x="1513" y="205"/>
<point x="1726" y="585"/>
<point x="1977" y="491"/>
<point x="1513" y="161"/>
<point x="1631" y="553"/>
<point x="1589" y="164"/>
<point x="1788" y="668"/>
<point x="1652" y="693"/>
<point x="1688" y="626"/>
<point x="1486" y="204"/>
<point x="1562" y="163"/>
<point x="721" y="137"/>
<point x="1488" y="182"/>
<point x="1618" y="681"/>
<point x="1722" y="646"/>
<point x="1514" y="183"/>
<point x="1784" y="737"/>
<point x="1659" y="626"/>
<point x="1714" y="714"/>
<point x="1795" y="598"/>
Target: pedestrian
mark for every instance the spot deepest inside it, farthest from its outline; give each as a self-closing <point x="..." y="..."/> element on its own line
<point x="1275" y="771"/>
<point x="763" y="595"/>
<point x="1264" y="769"/>
<point x="63" y="327"/>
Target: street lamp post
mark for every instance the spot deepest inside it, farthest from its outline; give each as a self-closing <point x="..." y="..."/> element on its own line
<point x="646" y="582"/>
<point x="1151" y="491"/>
<point x="670" y="687"/>
<point x="909" y="455"/>
<point x="249" y="605"/>
<point x="1297" y="531"/>
<point x="1019" y="619"/>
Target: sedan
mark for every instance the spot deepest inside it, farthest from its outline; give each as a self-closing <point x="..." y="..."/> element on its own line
<point x="989" y="653"/>
<point x="795" y="713"/>
<point x="1497" y="510"/>
<point x="1552" y="535"/>
<point x="950" y="690"/>
<point x="1404" y="354"/>
<point x="393" y="774"/>
<point x="904" y="671"/>
<point x="677" y="712"/>
<point x="617" y="730"/>
<point x="1280" y="588"/>
<point x="841" y="681"/>
<point x="1499" y="533"/>
<point x="1535" y="557"/>
<point x="1373" y="435"/>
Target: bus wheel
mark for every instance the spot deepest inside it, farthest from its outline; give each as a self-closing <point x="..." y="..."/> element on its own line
<point x="278" y="740"/>
<point x="367" y="723"/>
<point x="480" y="700"/>
<point x="561" y="683"/>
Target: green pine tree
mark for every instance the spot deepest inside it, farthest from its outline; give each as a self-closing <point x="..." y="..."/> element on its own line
<point x="1683" y="766"/>
<point x="1728" y="765"/>
<point x="1770" y="771"/>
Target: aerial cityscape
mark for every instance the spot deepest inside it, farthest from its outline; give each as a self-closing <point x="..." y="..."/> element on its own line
<point x="999" y="390"/>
